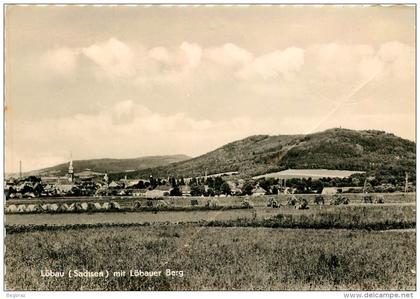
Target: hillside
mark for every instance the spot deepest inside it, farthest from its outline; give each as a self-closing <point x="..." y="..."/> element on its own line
<point x="112" y="165"/>
<point x="375" y="152"/>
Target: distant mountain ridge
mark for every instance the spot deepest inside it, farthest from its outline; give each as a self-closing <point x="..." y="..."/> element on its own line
<point x="341" y="149"/>
<point x="111" y="165"/>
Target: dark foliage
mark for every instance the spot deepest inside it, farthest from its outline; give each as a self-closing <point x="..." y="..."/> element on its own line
<point x="380" y="154"/>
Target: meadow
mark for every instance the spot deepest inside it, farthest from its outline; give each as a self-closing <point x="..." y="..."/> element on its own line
<point x="257" y="201"/>
<point x="326" y="247"/>
<point x="229" y="258"/>
<point x="364" y="216"/>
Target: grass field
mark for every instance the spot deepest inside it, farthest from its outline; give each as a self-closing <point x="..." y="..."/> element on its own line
<point x="214" y="258"/>
<point x="346" y="216"/>
<point x="308" y="173"/>
<point x="224" y="201"/>
<point x="347" y="247"/>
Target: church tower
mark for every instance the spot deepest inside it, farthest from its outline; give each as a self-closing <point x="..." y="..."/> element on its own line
<point x="71" y="171"/>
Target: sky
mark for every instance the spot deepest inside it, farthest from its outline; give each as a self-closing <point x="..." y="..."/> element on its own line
<point x="131" y="81"/>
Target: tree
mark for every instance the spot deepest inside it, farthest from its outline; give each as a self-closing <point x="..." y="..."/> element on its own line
<point x="193" y="181"/>
<point x="317" y="185"/>
<point x="175" y="191"/>
<point x="274" y="190"/>
<point x="263" y="183"/>
<point x="197" y="190"/>
<point x="247" y="188"/>
<point x="225" y="188"/>
<point x="210" y="182"/>
<point x="153" y="182"/>
<point x="140" y="185"/>
<point x="218" y="182"/>
<point x="172" y="182"/>
<point x="33" y="179"/>
<point x="210" y="192"/>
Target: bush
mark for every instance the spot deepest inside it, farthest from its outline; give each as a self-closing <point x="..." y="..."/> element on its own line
<point x="379" y="199"/>
<point x="339" y="200"/>
<point x="137" y="205"/>
<point x="291" y="201"/>
<point x="272" y="203"/>
<point x="367" y="199"/>
<point x="246" y="204"/>
<point x="302" y="204"/>
<point x="319" y="200"/>
<point x="194" y="202"/>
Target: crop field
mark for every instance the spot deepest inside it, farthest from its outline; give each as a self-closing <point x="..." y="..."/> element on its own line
<point x="214" y="258"/>
<point x="368" y="213"/>
<point x="326" y="247"/>
<point x="121" y="217"/>
<point x="127" y="201"/>
<point x="308" y="173"/>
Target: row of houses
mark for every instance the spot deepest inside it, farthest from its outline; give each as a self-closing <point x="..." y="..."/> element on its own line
<point x="39" y="187"/>
<point x="91" y="183"/>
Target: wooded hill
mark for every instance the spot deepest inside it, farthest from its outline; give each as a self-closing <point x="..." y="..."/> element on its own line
<point x="111" y="165"/>
<point x="376" y="152"/>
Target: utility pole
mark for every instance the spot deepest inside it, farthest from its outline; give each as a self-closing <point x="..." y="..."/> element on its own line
<point x="406" y="182"/>
<point x="20" y="169"/>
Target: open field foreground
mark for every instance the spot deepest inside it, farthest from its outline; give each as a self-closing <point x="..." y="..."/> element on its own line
<point x="214" y="258"/>
<point x="326" y="247"/>
<point x="257" y="201"/>
<point x="346" y="216"/>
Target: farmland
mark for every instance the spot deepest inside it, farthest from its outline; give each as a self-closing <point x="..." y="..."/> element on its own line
<point x="308" y="173"/>
<point x="368" y="214"/>
<point x="357" y="246"/>
<point x="215" y="258"/>
<point x="125" y="201"/>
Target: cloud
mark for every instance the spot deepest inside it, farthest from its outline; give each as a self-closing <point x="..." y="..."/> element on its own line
<point x="117" y="59"/>
<point x="113" y="57"/>
<point x="334" y="61"/>
<point x="278" y="63"/>
<point x="60" y="60"/>
<point x="125" y="129"/>
<point x="193" y="54"/>
<point x="123" y="112"/>
<point x="229" y="55"/>
<point x="160" y="54"/>
<point x="393" y="51"/>
<point x="190" y="99"/>
<point x="399" y="57"/>
<point x="329" y="66"/>
<point x="129" y="129"/>
<point x="352" y="62"/>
